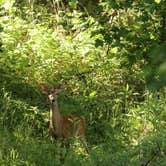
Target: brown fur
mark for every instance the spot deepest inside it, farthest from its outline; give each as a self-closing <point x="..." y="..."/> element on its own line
<point x="71" y="125"/>
<point x="64" y="126"/>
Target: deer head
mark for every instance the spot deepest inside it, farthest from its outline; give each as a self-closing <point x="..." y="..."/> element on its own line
<point x="51" y="92"/>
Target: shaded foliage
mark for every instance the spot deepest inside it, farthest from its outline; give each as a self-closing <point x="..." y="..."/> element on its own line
<point x="107" y="53"/>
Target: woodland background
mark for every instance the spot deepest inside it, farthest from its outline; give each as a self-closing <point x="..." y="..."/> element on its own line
<point x="111" y="54"/>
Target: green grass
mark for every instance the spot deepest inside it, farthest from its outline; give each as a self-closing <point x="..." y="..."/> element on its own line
<point x="21" y="148"/>
<point x="25" y="140"/>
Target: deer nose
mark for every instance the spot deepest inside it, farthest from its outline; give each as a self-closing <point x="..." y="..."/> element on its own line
<point x="53" y="100"/>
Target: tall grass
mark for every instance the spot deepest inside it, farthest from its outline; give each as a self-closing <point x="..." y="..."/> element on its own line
<point x="24" y="138"/>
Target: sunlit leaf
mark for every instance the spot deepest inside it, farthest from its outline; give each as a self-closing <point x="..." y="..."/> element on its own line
<point x="114" y="50"/>
<point x="157" y="1"/>
<point x="92" y="94"/>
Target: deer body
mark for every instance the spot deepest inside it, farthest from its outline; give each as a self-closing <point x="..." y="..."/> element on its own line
<point x="63" y="126"/>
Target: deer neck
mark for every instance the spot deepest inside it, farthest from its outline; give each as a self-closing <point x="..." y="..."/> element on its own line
<point x="55" y="118"/>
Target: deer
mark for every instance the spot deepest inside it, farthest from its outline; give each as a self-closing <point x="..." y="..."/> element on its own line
<point x="63" y="126"/>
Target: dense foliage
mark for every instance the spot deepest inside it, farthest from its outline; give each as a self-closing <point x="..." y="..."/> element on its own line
<point x="111" y="56"/>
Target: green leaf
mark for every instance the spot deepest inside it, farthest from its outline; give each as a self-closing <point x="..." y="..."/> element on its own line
<point x="127" y="88"/>
<point x="152" y="36"/>
<point x="92" y="94"/>
<point x="73" y="4"/>
<point x="114" y="50"/>
<point x="157" y="1"/>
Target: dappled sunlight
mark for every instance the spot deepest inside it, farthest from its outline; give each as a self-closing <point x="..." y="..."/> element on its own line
<point x="108" y="60"/>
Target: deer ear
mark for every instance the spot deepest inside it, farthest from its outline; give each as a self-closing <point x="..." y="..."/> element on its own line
<point x="44" y="88"/>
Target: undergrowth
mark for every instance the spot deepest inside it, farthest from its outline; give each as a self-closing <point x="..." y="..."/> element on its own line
<point x="24" y="138"/>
